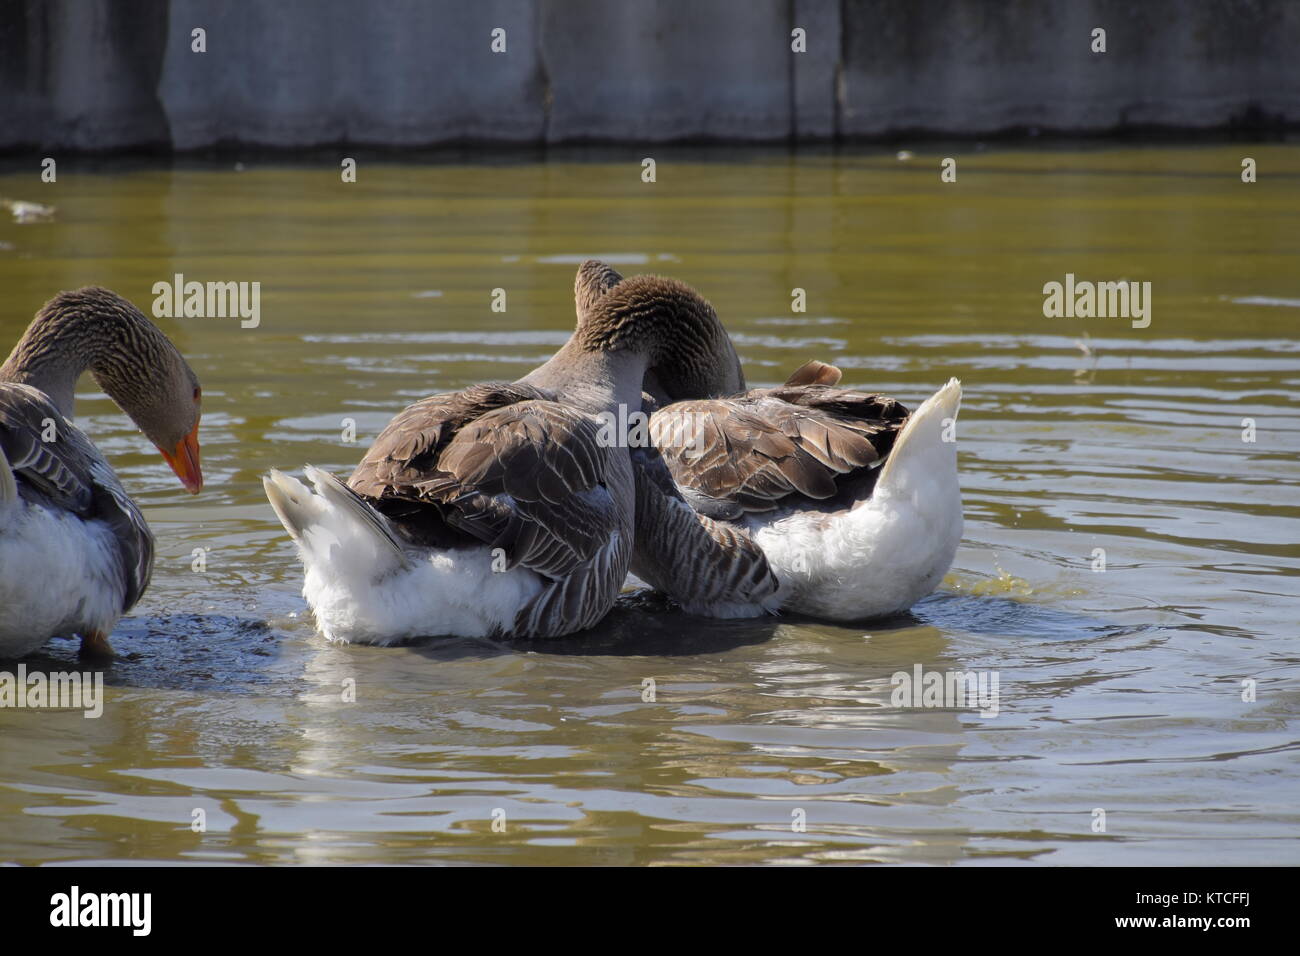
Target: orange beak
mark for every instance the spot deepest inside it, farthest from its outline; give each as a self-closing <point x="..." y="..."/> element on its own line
<point x="184" y="459"/>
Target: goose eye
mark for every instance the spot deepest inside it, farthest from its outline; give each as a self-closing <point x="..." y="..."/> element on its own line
<point x="198" y="392"/>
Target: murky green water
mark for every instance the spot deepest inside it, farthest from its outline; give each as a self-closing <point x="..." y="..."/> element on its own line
<point x="1120" y="690"/>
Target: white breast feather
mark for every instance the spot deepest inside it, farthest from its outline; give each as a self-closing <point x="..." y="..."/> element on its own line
<point x="57" y="577"/>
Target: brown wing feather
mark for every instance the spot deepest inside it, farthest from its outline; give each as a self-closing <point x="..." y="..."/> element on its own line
<point x="502" y="465"/>
<point x="70" y="474"/>
<point x="410" y="444"/>
<point x="758" y="451"/>
<point x="814" y="373"/>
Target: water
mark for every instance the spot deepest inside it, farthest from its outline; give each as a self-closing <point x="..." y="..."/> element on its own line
<point x="1120" y="690"/>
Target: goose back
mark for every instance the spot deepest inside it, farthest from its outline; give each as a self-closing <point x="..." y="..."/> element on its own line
<point x="510" y="467"/>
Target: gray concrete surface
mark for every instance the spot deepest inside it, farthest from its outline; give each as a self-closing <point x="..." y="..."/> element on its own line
<point x="108" y="74"/>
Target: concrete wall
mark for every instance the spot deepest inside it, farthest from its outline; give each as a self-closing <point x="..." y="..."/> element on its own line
<point x="109" y="74"/>
<point x="970" y="68"/>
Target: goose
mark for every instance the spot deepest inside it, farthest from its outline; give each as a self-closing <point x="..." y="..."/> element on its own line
<point x="829" y="502"/>
<point x="75" y="551"/>
<point x="502" y="509"/>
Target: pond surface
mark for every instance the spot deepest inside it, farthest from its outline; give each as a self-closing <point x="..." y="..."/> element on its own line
<point x="768" y="741"/>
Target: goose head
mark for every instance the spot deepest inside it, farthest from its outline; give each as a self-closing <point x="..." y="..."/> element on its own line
<point x="130" y="358"/>
<point x="689" y="353"/>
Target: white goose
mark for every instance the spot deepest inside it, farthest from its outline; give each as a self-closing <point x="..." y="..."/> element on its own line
<point x="502" y="509"/>
<point x="829" y="502"/>
<point x="75" y="552"/>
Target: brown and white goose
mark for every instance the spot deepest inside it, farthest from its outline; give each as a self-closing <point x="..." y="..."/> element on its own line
<point x="501" y="509"/>
<point x="75" y="552"/>
<point x="831" y="502"/>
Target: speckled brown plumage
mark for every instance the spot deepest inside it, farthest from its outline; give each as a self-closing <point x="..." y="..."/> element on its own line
<point x="95" y="329"/>
<point x="502" y="465"/>
<point x="510" y="466"/>
<point x="691" y="353"/>
<point x="776" y="447"/>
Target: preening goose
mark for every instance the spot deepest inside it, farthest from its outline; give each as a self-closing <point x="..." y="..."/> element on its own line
<point x="831" y="502"/>
<point x="501" y="509"/>
<point x="75" y="552"/>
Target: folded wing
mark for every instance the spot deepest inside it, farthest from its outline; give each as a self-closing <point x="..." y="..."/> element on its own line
<point x="775" y="447"/>
<point x="508" y="467"/>
<point x="55" y="466"/>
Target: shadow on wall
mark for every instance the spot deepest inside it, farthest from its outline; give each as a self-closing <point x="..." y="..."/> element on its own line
<point x="189" y="74"/>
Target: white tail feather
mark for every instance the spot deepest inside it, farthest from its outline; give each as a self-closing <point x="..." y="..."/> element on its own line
<point x="926" y="450"/>
<point x="333" y="527"/>
<point x="364" y="585"/>
<point x="889" y="551"/>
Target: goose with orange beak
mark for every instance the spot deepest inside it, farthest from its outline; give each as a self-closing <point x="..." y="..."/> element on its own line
<point x="75" y="551"/>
